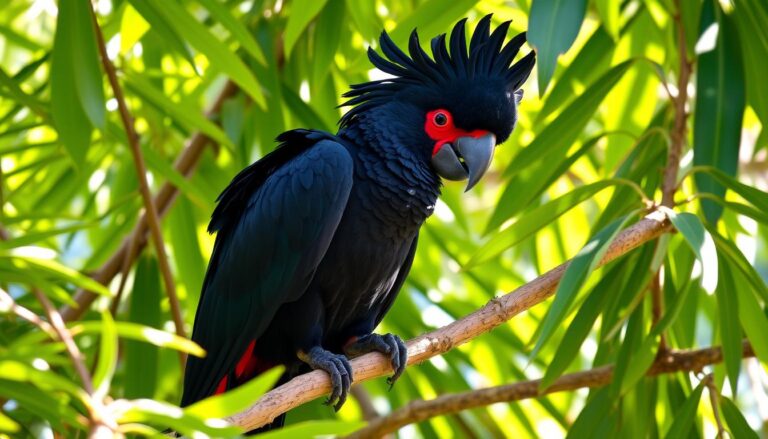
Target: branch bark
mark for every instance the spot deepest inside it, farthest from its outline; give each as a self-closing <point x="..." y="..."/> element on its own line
<point x="418" y="411"/>
<point x="307" y="387"/>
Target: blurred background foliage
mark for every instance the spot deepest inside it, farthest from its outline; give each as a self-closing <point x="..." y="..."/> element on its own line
<point x="595" y="126"/>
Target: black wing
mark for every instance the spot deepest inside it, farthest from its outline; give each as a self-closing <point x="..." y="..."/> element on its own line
<point x="275" y="223"/>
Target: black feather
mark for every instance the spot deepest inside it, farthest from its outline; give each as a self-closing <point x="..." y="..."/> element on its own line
<point x="487" y="57"/>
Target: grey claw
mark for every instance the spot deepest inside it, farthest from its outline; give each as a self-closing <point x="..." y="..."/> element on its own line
<point x="338" y="368"/>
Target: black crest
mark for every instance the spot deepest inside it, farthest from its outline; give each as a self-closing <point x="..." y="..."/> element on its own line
<point x="487" y="58"/>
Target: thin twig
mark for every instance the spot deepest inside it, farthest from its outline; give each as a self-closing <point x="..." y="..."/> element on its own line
<point x="670" y="182"/>
<point x="7" y="303"/>
<point x="420" y="410"/>
<point x="307" y="387"/>
<point x="55" y="320"/>
<point x="669" y="185"/>
<point x="150" y="209"/>
<point x="714" y="400"/>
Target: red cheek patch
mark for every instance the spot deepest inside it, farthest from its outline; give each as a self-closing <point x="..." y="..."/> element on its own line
<point x="446" y="133"/>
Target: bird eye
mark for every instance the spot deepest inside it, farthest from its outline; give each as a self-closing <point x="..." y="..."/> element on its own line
<point x="440" y="119"/>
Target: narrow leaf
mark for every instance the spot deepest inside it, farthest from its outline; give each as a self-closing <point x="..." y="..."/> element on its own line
<point x="238" y="399"/>
<point x="141" y="359"/>
<point x="701" y="243"/>
<point x="684" y="418"/>
<point x="69" y="117"/>
<point x="302" y="12"/>
<point x="552" y="28"/>
<point x="533" y="221"/>
<point x="730" y="328"/>
<point x="236" y="28"/>
<point x="107" y="361"/>
<point x="579" y="269"/>
<point x="720" y="101"/>
<point x="735" y="420"/>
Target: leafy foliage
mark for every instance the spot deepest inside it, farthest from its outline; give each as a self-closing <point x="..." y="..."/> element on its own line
<point x="586" y="157"/>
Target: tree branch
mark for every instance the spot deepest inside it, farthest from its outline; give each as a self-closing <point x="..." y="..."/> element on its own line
<point x="669" y="185"/>
<point x="307" y="387"/>
<point x="150" y="209"/>
<point x="417" y="411"/>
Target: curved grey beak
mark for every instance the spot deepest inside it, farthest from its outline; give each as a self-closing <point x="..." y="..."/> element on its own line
<point x="466" y="158"/>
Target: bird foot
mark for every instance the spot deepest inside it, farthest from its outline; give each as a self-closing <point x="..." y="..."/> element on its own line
<point x="338" y="368"/>
<point x="387" y="344"/>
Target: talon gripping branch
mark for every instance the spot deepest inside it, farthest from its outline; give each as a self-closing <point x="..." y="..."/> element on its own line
<point x="316" y="238"/>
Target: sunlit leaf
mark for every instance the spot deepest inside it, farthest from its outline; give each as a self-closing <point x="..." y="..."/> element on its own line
<point x="302" y="12"/>
<point x="720" y="100"/>
<point x="553" y="27"/>
<point x="533" y="221"/>
<point x="683" y="419"/>
<point x="701" y="243"/>
<point x="143" y="333"/>
<point x="238" y="399"/>
<point x="107" y="361"/>
<point x="735" y="420"/>
<point x="579" y="269"/>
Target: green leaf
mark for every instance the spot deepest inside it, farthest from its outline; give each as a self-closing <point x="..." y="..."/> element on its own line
<point x="238" y="399"/>
<point x="609" y="11"/>
<point x="533" y="221"/>
<point x="69" y="117"/>
<point x="728" y="249"/>
<point x="684" y="418"/>
<point x="107" y="361"/>
<point x="315" y="429"/>
<point x="235" y="28"/>
<point x="728" y="319"/>
<point x="326" y="40"/>
<point x="750" y="16"/>
<point x="196" y="34"/>
<point x="192" y="120"/>
<point x="431" y="17"/>
<point x="85" y="62"/>
<point x="141" y="358"/>
<point x="32" y="258"/>
<point x="594" y="412"/>
<point x="577" y="272"/>
<point x="132" y="27"/>
<point x="163" y="29"/>
<point x="754" y="322"/>
<point x="735" y="420"/>
<point x="535" y="179"/>
<point x="15" y="91"/>
<point x="135" y="331"/>
<point x="552" y="27"/>
<point x="7" y="424"/>
<point x="161" y="413"/>
<point x="578" y="330"/>
<point x="559" y="135"/>
<point x="46" y="380"/>
<point x="52" y="407"/>
<point x="302" y="12"/>
<point x="37" y="237"/>
<point x="753" y="195"/>
<point x="719" y="110"/>
<point x="701" y="243"/>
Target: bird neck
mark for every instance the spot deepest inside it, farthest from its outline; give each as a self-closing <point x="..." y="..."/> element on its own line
<point x="396" y="186"/>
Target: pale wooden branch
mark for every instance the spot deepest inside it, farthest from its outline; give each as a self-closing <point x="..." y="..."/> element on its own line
<point x="307" y="387"/>
<point x="417" y="411"/>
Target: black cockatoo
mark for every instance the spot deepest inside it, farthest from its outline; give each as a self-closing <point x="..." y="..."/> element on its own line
<point x="316" y="238"/>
